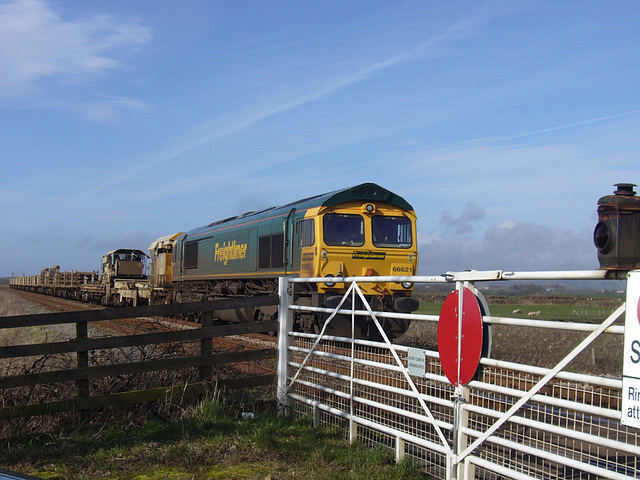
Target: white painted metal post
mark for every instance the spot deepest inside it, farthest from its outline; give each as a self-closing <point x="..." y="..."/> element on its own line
<point x="460" y="423"/>
<point x="469" y="469"/>
<point x="460" y="289"/>
<point x="400" y="447"/>
<point x="353" y="426"/>
<point x="285" y="316"/>
<point x="461" y="394"/>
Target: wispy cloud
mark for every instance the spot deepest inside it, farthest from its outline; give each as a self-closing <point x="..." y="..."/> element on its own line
<point x="523" y="163"/>
<point x="37" y="44"/>
<point x="242" y="119"/>
<point x="480" y="141"/>
<point x="106" y="109"/>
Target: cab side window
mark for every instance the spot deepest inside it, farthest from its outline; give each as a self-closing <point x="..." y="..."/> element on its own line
<point x="307" y="233"/>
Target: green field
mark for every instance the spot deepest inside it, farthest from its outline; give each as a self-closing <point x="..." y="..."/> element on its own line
<point x="577" y="313"/>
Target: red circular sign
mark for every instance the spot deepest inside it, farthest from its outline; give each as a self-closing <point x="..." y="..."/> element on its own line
<point x="460" y="343"/>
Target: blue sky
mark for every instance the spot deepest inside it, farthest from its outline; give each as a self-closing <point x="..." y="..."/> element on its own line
<point x="501" y="122"/>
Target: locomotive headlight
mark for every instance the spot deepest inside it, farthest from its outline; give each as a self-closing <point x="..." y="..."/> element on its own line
<point x="407" y="285"/>
<point x="330" y="284"/>
<point x="368" y="208"/>
<point x="603" y="237"/>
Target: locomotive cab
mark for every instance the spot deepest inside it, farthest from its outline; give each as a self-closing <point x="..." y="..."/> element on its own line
<point x="124" y="263"/>
<point x="124" y="275"/>
<point x="377" y="244"/>
<point x="361" y="238"/>
<point x="365" y="231"/>
<point x="160" y="284"/>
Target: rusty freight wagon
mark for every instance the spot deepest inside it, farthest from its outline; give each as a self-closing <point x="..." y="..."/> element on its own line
<point x="122" y="280"/>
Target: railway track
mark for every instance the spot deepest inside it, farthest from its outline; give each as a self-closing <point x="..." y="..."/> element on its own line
<point x="134" y="326"/>
<point x="137" y="326"/>
<point x="55" y="304"/>
<point x="248" y="342"/>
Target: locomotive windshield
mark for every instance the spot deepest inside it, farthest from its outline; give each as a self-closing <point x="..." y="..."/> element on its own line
<point x="391" y="232"/>
<point x="343" y="229"/>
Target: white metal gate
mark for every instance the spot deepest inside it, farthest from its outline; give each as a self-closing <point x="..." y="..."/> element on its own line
<point x="513" y="421"/>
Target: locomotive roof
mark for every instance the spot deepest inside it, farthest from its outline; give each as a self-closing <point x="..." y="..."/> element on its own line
<point x="165" y="239"/>
<point x="366" y="192"/>
<point x="127" y="250"/>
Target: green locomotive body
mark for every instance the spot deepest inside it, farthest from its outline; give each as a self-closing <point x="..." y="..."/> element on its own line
<point x="358" y="231"/>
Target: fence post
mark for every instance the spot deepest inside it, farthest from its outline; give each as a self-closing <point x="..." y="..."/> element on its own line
<point x="206" y="346"/>
<point x="353" y="430"/>
<point x="400" y="449"/>
<point x="82" y="333"/>
<point x="285" y="316"/>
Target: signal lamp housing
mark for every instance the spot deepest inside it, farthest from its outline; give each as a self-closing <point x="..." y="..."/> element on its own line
<point x="617" y="233"/>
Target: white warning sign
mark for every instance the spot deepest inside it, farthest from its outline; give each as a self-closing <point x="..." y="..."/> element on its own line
<point x="631" y="363"/>
<point x="416" y="362"/>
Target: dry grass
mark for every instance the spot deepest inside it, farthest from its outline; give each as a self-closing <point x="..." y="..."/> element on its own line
<point x="12" y="303"/>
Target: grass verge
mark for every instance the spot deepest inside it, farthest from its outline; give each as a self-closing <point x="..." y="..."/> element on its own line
<point x="206" y="443"/>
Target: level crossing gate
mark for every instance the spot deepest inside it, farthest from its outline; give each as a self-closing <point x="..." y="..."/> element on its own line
<point x="511" y="421"/>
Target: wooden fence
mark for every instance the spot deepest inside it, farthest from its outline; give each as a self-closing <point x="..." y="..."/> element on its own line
<point x="81" y="346"/>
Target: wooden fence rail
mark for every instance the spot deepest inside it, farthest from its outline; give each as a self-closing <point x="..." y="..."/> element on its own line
<point x="81" y="345"/>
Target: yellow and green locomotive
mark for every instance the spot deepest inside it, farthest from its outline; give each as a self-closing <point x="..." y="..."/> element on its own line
<point x="364" y="230"/>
